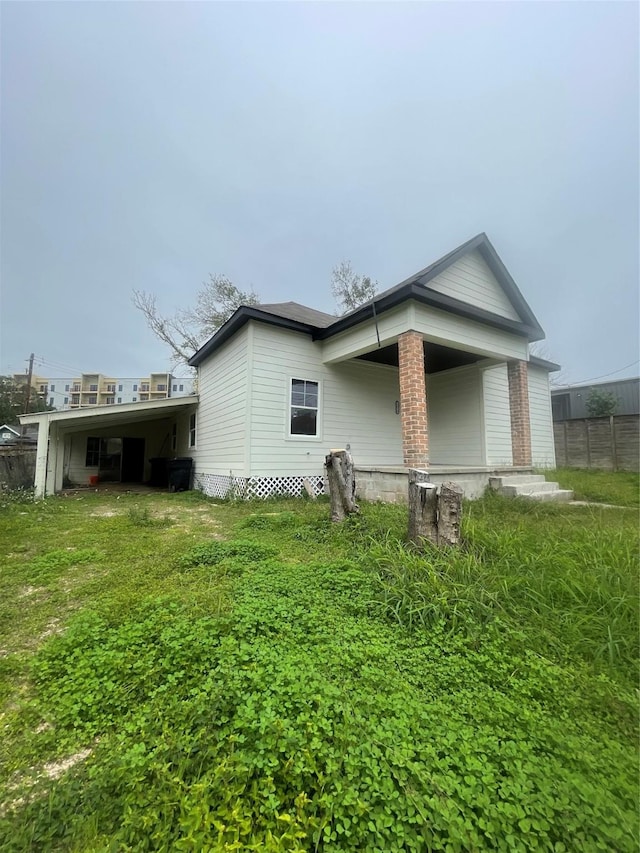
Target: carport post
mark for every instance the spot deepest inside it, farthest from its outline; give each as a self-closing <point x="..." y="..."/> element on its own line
<point x="40" y="482"/>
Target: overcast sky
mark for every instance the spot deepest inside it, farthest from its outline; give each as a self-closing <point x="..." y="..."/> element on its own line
<point x="146" y="145"/>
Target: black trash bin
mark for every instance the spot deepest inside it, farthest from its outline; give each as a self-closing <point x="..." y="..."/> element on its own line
<point x="179" y="471"/>
<point x="159" y="476"/>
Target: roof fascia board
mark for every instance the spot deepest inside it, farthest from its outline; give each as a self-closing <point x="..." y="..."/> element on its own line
<point x="426" y="296"/>
<point x="237" y="320"/>
<point x="121" y="409"/>
<point x="551" y="366"/>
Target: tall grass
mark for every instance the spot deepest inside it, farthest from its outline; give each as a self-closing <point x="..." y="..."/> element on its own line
<point x="621" y="488"/>
<point x="570" y="583"/>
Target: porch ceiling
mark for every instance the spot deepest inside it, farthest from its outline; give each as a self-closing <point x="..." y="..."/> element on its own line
<point x="436" y="357"/>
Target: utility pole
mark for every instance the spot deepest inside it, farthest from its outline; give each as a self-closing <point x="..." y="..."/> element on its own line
<point x="27" y="398"/>
<point x="27" y="394"/>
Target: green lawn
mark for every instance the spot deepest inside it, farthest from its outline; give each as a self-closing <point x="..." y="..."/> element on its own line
<point x="620" y="489"/>
<point x="184" y="674"/>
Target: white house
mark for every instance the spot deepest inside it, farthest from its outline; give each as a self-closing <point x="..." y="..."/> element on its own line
<point x="434" y="373"/>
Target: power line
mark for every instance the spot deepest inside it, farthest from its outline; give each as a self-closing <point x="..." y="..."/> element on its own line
<point x="604" y="375"/>
<point x="56" y="365"/>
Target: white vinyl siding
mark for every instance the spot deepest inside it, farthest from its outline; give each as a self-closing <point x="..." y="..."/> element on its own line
<point x="470" y="280"/>
<point x="357" y="407"/>
<point x="542" y="444"/>
<point x="454" y="408"/>
<point x="497" y="416"/>
<point x="223" y="389"/>
<point x="364" y="337"/>
<point x="469" y="335"/>
<point x="436" y="325"/>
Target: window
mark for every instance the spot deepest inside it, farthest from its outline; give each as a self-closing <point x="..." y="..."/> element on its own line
<point x="75" y="400"/>
<point x="119" y="389"/>
<point x="304" y="408"/>
<point x="76" y="387"/>
<point x="162" y="387"/>
<point x="182" y="387"/>
<point x="93" y="387"/>
<point x="119" y="399"/>
<point x="135" y="400"/>
<point x="174" y="437"/>
<point x="175" y="387"/>
<point x="192" y="430"/>
<point x="111" y="389"/>
<point x="144" y="396"/>
<point x="110" y="401"/>
<point x="43" y="389"/>
<point x="92" y="400"/>
<point x="93" y="452"/>
<point x="144" y="386"/>
<point x="66" y="400"/>
<point x="66" y="387"/>
<point x="135" y="387"/>
<point x="51" y="401"/>
<point x="53" y="387"/>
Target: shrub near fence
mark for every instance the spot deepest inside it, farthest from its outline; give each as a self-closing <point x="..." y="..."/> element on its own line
<point x="17" y="467"/>
<point x="611" y="444"/>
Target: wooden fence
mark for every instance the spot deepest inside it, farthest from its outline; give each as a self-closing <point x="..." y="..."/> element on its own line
<point x="611" y="444"/>
<point x="17" y="467"/>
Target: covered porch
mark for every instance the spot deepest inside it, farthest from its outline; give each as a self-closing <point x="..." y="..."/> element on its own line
<point x="112" y="444"/>
<point x="463" y="389"/>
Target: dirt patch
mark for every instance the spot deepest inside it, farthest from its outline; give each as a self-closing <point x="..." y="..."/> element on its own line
<point x="52" y="770"/>
<point x="55" y="769"/>
<point x="53" y="627"/>
<point x="28" y="591"/>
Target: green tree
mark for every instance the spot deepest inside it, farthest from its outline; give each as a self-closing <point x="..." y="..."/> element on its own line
<point x="12" y="400"/>
<point x="601" y="404"/>
<point x="349" y="289"/>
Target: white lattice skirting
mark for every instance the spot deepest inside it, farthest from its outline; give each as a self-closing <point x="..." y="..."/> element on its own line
<point x="223" y="486"/>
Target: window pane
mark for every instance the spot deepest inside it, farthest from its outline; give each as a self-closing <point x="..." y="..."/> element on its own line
<point x="311" y="397"/>
<point x="297" y="398"/>
<point x="303" y="421"/>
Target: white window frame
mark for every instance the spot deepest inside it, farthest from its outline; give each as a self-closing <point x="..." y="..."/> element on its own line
<point x="193" y="431"/>
<point x="293" y="436"/>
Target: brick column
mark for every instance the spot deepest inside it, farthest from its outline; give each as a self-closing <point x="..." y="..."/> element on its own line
<point x="519" y="407"/>
<point x="413" y="400"/>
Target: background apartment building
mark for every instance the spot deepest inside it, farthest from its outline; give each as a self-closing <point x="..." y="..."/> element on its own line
<point x="96" y="389"/>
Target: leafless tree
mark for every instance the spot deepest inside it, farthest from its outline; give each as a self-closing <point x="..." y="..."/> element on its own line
<point x="540" y="349"/>
<point x="186" y="330"/>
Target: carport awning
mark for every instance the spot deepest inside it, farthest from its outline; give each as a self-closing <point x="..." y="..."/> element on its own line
<point x="106" y="416"/>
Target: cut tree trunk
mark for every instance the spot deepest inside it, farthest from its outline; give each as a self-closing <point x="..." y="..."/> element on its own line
<point x="422" y="508"/>
<point x="342" y="484"/>
<point x="449" y="514"/>
<point x="435" y="512"/>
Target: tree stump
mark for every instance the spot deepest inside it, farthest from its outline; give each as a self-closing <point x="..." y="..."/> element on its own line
<point x="342" y="484"/>
<point x="422" y="508"/>
<point x="435" y="512"/>
<point x="449" y="514"/>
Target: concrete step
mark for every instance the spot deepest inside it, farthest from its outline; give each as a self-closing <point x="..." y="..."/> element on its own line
<point x="517" y="488"/>
<point x="510" y="479"/>
<point x="559" y="495"/>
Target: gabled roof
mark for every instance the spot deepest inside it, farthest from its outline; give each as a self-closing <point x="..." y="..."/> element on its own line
<point x="482" y="245"/>
<point x="299" y="313"/>
<point x="13" y="429"/>
<point x="320" y="326"/>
